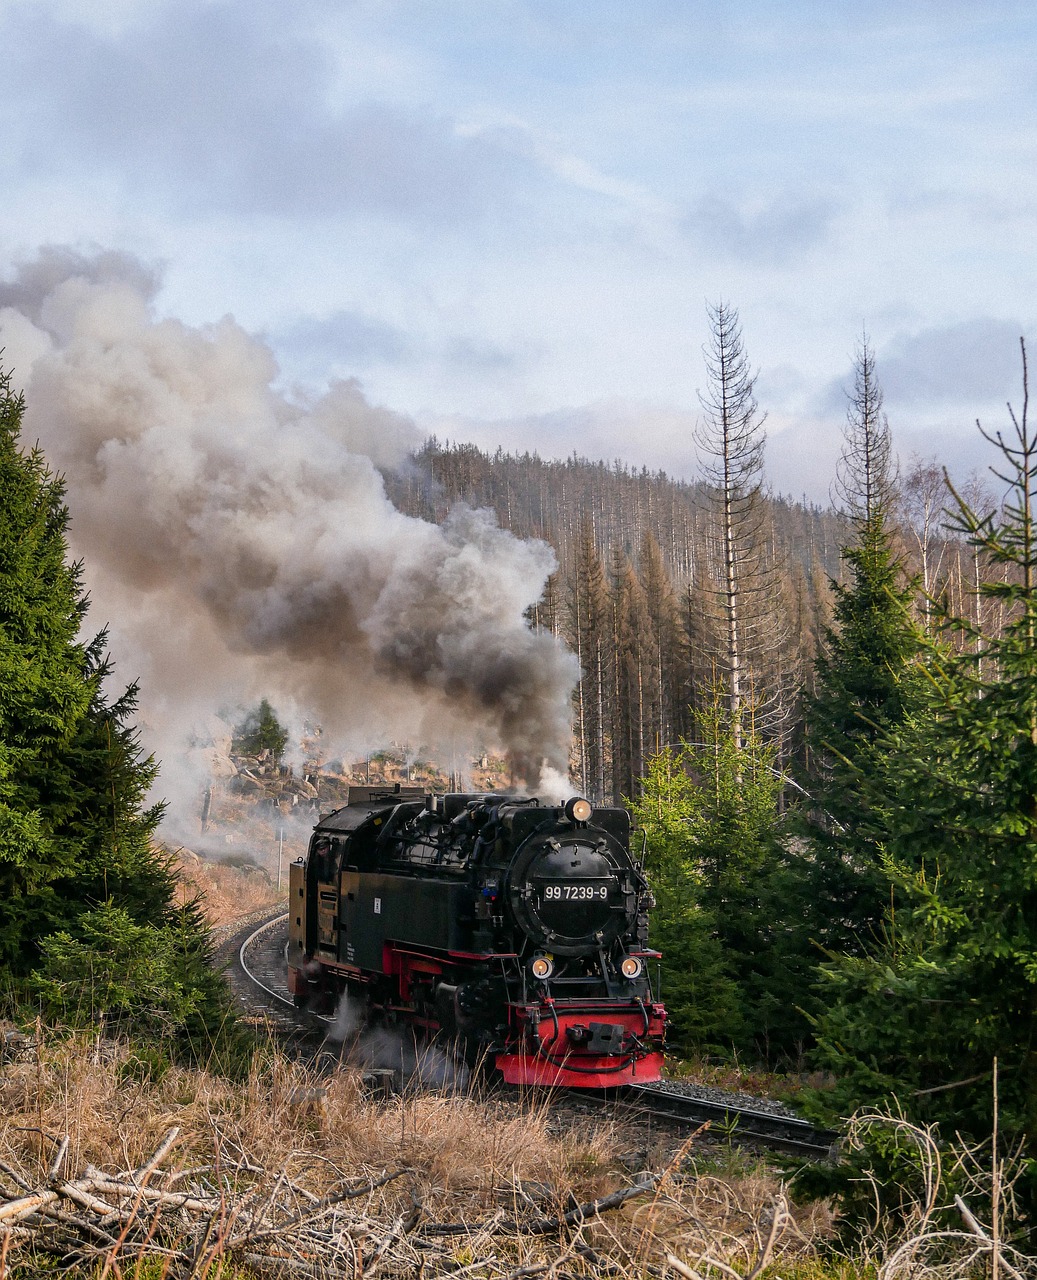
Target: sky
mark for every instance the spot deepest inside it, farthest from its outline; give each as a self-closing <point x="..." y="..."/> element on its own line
<point x="505" y="218"/>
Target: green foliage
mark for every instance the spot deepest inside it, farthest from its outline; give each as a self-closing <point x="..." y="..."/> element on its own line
<point x="867" y="680"/>
<point x="701" y="997"/>
<point x="156" y="983"/>
<point x="89" y="929"/>
<point x="865" y="677"/>
<point x="148" y="1064"/>
<point x="115" y="973"/>
<point x="833" y="890"/>
<point x="710" y="813"/>
<point x="955" y="982"/>
<point x="44" y="691"/>
<point x="261" y="731"/>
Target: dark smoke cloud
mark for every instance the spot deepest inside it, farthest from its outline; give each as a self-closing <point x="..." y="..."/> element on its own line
<point x="242" y="544"/>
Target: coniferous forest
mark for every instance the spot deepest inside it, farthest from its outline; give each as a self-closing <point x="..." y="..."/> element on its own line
<point x="824" y="722"/>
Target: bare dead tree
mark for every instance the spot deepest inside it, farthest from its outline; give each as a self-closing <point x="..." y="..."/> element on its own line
<point x="924" y="497"/>
<point x="732" y="439"/>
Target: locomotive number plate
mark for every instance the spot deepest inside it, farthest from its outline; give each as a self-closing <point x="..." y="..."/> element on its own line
<point x="575" y="892"/>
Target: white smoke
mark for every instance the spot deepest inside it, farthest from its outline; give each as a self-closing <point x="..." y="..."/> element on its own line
<point x="554" y="786"/>
<point x="422" y="1064"/>
<point x="239" y="542"/>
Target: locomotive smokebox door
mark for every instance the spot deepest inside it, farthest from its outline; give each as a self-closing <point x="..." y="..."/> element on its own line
<point x="567" y="894"/>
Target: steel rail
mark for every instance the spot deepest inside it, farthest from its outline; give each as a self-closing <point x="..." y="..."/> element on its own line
<point x="263" y="928"/>
<point x="742" y="1124"/>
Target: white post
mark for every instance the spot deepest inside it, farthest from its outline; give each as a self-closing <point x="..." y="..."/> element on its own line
<point x="280" y="852"/>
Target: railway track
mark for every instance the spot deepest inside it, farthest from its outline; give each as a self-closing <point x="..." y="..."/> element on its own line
<point x="729" y="1120"/>
<point x="255" y="961"/>
<point x="260" y="962"/>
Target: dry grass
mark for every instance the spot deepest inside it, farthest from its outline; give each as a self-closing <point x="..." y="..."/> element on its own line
<point x="227" y="892"/>
<point x="483" y="1187"/>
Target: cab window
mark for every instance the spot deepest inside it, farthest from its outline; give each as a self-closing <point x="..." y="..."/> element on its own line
<point x="323" y="860"/>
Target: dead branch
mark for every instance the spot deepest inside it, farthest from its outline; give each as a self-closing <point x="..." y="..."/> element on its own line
<point x="780" y="1218"/>
<point x="548" y="1226"/>
<point x="979" y="1231"/>
<point x="236" y="1211"/>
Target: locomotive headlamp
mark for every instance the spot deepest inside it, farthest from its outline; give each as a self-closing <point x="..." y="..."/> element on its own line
<point x="578" y="810"/>
<point x="631" y="967"/>
<point x="542" y="967"/>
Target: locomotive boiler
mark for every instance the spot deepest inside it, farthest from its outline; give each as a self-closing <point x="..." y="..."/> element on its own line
<point x="518" y="929"/>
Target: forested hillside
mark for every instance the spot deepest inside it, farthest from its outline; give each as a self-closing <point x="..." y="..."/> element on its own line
<point x="635" y="593"/>
<point x="825" y="724"/>
<point x="639" y="590"/>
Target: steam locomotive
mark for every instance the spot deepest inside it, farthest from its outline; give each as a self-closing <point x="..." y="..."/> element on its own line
<point x="518" y="929"/>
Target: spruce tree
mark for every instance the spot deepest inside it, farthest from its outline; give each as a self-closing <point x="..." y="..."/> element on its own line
<point x="79" y="875"/>
<point x="74" y="825"/>
<point x="261" y="731"/>
<point x="702" y="998"/>
<point x="864" y="677"/>
<point x="955" y="985"/>
<point x="710" y="811"/>
<point x="45" y="691"/>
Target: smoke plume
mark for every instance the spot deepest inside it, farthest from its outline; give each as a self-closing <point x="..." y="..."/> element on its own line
<point x="239" y="542"/>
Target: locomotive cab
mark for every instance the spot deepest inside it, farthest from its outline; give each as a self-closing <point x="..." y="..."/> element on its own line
<point x="342" y="842"/>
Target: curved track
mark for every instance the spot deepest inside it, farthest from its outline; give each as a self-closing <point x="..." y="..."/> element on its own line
<point x="260" y="960"/>
<point x="249" y="944"/>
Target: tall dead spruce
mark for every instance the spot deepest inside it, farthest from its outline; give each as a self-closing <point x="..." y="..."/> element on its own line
<point x="731" y="438"/>
<point x="866" y="476"/>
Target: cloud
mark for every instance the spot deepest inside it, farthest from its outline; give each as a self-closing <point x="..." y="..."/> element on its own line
<point x="475" y="353"/>
<point x="947" y="371"/>
<point x="222" y="108"/>
<point x="314" y="348"/>
<point x="345" y="336"/>
<point x="772" y="235"/>
<point x="976" y="361"/>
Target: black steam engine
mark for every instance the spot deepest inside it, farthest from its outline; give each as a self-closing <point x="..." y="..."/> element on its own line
<point x="517" y="928"/>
